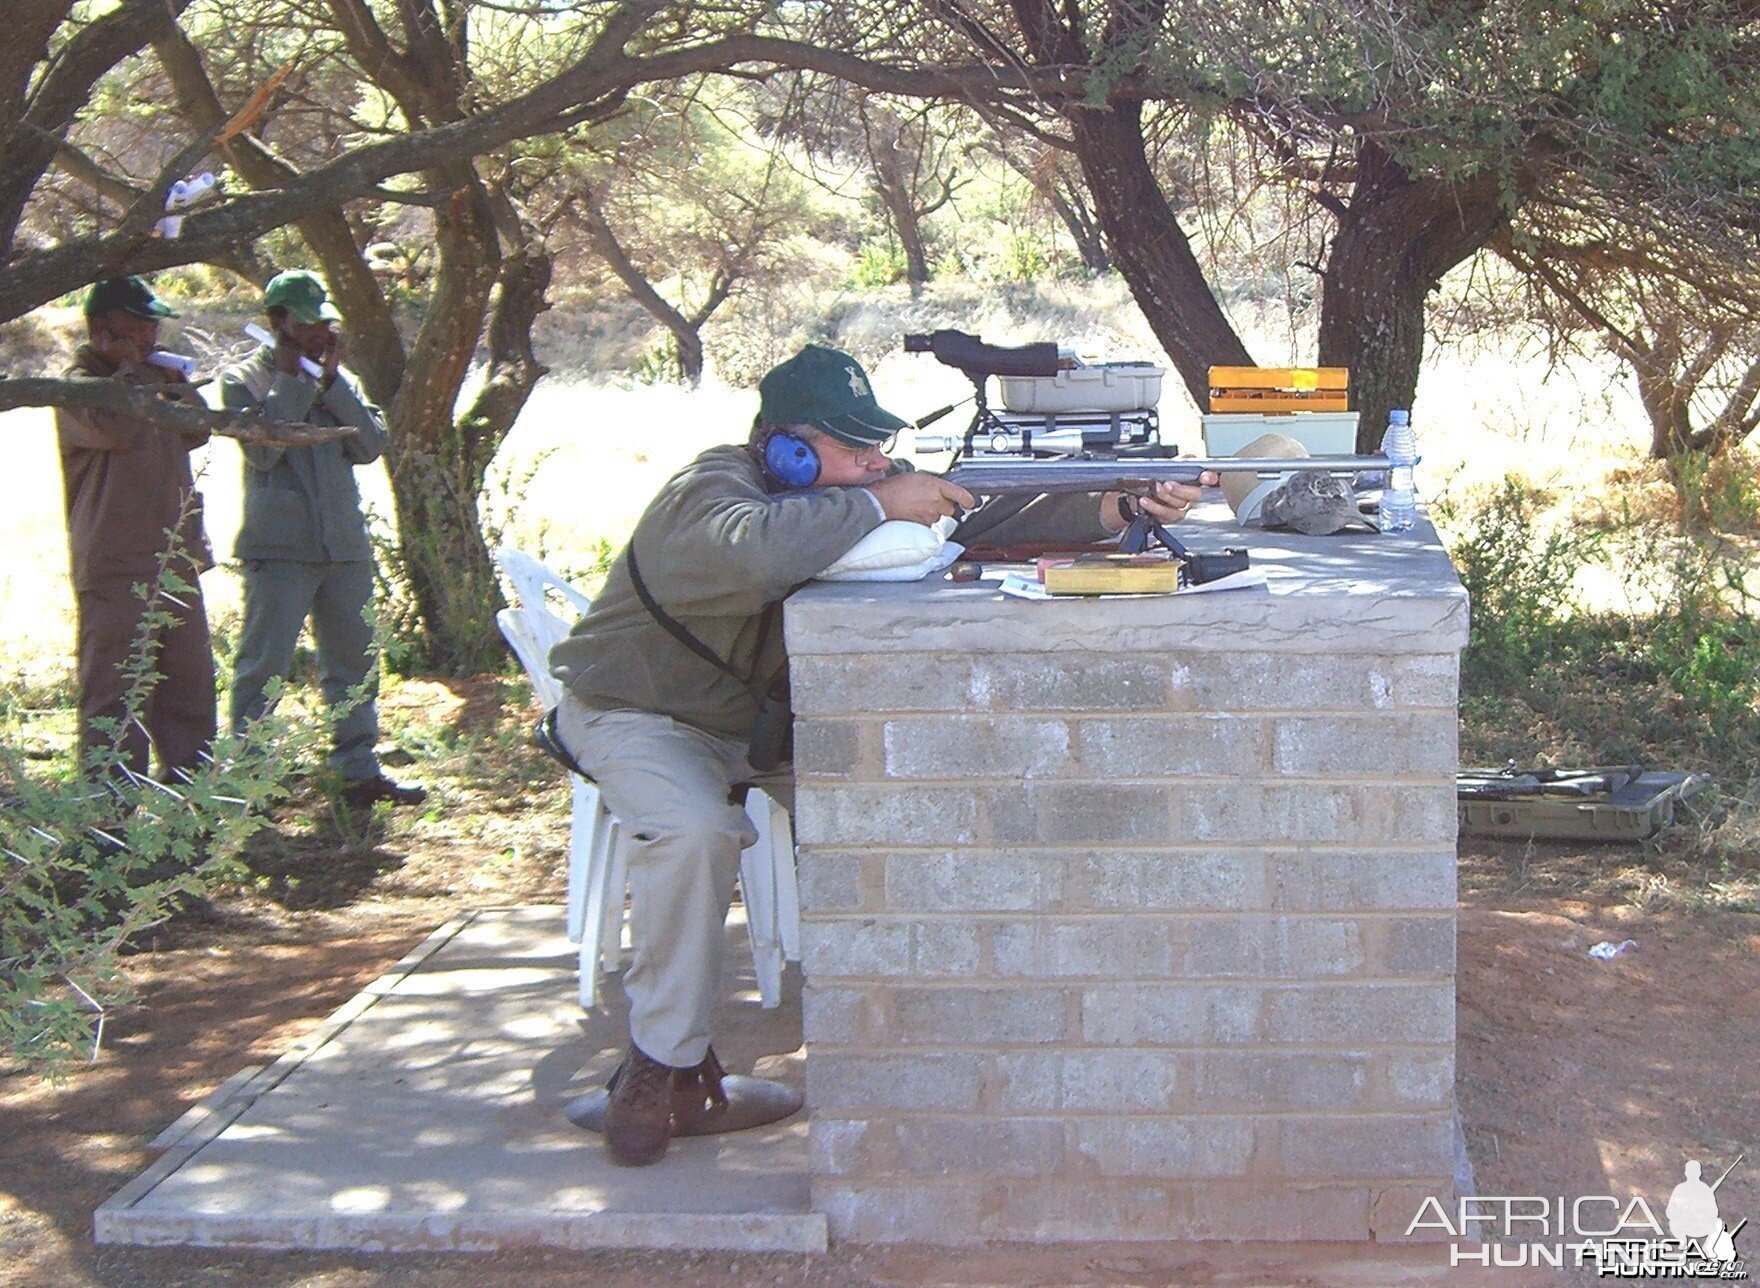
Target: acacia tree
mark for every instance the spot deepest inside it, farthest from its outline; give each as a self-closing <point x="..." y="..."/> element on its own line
<point x="431" y="112"/>
<point x="489" y="278"/>
<point x="907" y="155"/>
<point x="684" y="205"/>
<point x="1057" y="182"/>
<point x="1688" y="327"/>
<point x="1420" y="130"/>
<point x="912" y="168"/>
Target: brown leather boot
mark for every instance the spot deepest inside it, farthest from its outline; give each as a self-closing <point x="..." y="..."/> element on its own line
<point x="698" y="1101"/>
<point x="638" y="1117"/>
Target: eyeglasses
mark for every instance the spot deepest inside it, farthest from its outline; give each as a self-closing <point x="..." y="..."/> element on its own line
<point x="856" y="453"/>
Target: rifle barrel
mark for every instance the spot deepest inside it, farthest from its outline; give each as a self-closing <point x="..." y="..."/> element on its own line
<point x="992" y="477"/>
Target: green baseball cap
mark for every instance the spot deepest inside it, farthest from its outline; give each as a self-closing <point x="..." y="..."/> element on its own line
<point x="131" y="295"/>
<point x="829" y="391"/>
<point x="302" y="294"/>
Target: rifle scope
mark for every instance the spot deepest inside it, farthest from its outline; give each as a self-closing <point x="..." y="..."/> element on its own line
<point x="971" y="355"/>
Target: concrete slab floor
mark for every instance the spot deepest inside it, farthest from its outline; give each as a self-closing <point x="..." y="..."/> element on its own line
<point x="426" y="1115"/>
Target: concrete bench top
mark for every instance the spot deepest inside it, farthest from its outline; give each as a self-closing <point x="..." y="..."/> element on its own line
<point x="1358" y="592"/>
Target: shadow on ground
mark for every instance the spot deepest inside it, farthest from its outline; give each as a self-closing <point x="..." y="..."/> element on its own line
<point x="328" y="864"/>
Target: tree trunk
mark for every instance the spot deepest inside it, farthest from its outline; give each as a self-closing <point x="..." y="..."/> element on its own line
<point x="1083" y="228"/>
<point x="689" y="340"/>
<point x="514" y="369"/>
<point x="1372" y="321"/>
<point x="19" y="57"/>
<point x="1150" y="249"/>
<point x="1667" y="407"/>
<point x="916" y="254"/>
<point x="901" y="209"/>
<point x="1395" y="240"/>
<point x="687" y="335"/>
<point x="438" y="460"/>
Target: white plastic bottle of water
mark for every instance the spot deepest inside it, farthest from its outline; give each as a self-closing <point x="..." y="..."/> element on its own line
<point x="1399" y="499"/>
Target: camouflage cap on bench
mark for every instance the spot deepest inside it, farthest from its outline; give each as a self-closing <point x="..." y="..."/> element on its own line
<point x="1309" y="501"/>
<point x="1315" y="503"/>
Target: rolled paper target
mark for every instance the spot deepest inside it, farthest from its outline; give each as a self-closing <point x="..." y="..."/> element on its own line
<point x="173" y="362"/>
<point x="261" y="336"/>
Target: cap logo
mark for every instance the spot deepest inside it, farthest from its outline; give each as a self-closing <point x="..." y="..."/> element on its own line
<point x="857" y="385"/>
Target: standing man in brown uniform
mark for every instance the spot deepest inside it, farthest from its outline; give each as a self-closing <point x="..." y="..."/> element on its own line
<point x="133" y="515"/>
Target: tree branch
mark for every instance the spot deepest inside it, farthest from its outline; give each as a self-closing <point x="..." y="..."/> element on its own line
<point x="36" y="277"/>
<point x="161" y="412"/>
<point x="1633" y="346"/>
<point x="64" y="89"/>
<point x="101" y="181"/>
<point x="604" y="241"/>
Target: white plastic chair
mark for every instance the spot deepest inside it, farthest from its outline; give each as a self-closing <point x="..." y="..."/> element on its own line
<point x="598" y="863"/>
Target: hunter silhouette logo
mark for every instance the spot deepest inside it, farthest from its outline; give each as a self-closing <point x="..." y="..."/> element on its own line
<point x="857" y="385"/>
<point x="1692" y="1214"/>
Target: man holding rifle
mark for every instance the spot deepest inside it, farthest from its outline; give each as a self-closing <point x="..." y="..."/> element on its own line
<point x="134" y="519"/>
<point x="676" y="685"/>
<point x="303" y="541"/>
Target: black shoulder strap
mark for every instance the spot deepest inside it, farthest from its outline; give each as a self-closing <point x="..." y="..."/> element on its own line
<point x="682" y="634"/>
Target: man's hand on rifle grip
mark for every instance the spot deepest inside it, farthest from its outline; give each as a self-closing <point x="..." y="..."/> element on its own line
<point x="1169" y="502"/>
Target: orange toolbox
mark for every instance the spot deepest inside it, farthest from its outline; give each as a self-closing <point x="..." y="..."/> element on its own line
<point x="1279" y="389"/>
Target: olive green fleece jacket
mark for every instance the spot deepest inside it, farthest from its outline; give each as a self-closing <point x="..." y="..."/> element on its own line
<point x="715" y="549"/>
<point x="302" y="503"/>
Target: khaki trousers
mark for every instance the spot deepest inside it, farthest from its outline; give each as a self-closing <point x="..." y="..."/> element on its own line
<point x="177" y="717"/>
<point x="668" y="784"/>
<point x="279" y="595"/>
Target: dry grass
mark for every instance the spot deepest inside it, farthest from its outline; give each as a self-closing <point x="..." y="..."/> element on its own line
<point x="589" y="452"/>
<point x="590" y="449"/>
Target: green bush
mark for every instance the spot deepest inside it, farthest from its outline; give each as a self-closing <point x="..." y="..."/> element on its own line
<point x="1717" y="493"/>
<point x="1023" y="259"/>
<point x="658" y="364"/>
<point x="89" y="861"/>
<point x="878" y="263"/>
<point x="1520" y="580"/>
<point x="1672" y="682"/>
<point x="1703" y="639"/>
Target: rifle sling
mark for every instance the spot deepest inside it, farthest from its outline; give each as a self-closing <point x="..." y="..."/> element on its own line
<point x="682" y="634"/>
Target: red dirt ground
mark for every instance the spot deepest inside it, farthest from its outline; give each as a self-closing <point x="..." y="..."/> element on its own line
<point x="1575" y="1076"/>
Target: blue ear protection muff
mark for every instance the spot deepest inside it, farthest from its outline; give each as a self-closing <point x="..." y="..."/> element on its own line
<point x="790" y="460"/>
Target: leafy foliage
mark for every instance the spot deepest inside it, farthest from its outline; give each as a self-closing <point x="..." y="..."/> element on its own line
<point x="1520" y="582"/>
<point x="89" y="864"/>
<point x="1675" y="677"/>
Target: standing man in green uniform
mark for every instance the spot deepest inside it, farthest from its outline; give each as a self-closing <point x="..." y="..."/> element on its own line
<point x="133" y="514"/>
<point x="303" y="541"/>
<point x="665" y="725"/>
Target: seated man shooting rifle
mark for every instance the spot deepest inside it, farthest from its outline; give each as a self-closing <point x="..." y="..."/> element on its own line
<point x="676" y="684"/>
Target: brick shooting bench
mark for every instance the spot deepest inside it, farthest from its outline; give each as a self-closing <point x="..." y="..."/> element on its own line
<point x="1132" y="918"/>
